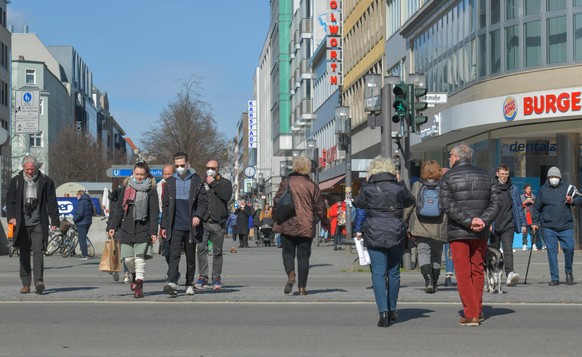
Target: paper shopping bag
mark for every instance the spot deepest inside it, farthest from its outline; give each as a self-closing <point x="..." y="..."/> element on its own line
<point x="110" y="260"/>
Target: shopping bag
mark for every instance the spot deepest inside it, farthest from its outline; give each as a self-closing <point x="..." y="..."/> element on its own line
<point x="110" y="260"/>
<point x="363" y="254"/>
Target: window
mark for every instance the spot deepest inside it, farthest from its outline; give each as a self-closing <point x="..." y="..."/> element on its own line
<point x="510" y="9"/>
<point x="482" y="13"/>
<point x="41" y="106"/>
<point x="495" y="11"/>
<point x="533" y="44"/>
<point x="30" y="76"/>
<point x="556" y="43"/>
<point x="577" y="2"/>
<point x="495" y="51"/>
<point x="578" y="36"/>
<point x="36" y="140"/>
<point x="482" y="56"/>
<point x="512" y="47"/>
<point x="532" y="7"/>
<point x="556" y="5"/>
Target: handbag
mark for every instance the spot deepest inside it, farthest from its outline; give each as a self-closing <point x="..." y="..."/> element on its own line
<point x="285" y="207"/>
<point x="110" y="259"/>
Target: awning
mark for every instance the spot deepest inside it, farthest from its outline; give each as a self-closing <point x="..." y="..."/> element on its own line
<point x="329" y="183"/>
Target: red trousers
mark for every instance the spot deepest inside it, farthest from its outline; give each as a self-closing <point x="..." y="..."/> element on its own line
<point x="468" y="257"/>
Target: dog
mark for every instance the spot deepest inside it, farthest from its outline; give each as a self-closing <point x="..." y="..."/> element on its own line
<point x="493" y="270"/>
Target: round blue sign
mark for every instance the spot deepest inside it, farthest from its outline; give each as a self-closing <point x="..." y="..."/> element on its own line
<point x="27" y="97"/>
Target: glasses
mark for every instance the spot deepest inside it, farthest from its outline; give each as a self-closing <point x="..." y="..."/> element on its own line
<point x="184" y="165"/>
<point x="451" y="154"/>
<point x="211" y="168"/>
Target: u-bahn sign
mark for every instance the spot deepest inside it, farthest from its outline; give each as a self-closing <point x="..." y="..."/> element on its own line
<point x="117" y="171"/>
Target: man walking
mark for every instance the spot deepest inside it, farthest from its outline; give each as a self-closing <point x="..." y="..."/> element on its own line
<point x="471" y="200"/>
<point x="510" y="220"/>
<point x="31" y="200"/>
<point x="219" y="190"/>
<point x="83" y="218"/>
<point x="553" y="207"/>
<point x="167" y="172"/>
<point x="184" y="204"/>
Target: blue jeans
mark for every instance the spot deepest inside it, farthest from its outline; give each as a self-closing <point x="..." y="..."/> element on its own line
<point x="449" y="267"/>
<point x="386" y="262"/>
<point x="566" y="239"/>
<point x="82" y="238"/>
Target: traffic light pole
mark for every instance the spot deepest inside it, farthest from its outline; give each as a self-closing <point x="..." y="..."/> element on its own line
<point x="386" y="138"/>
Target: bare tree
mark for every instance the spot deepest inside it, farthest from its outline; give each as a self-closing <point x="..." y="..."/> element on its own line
<point x="187" y="125"/>
<point x="77" y="157"/>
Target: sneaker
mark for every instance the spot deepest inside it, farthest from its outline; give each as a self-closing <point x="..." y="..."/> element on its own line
<point x="469" y="322"/>
<point x="83" y="258"/>
<point x="217" y="284"/>
<point x="126" y="278"/>
<point x="512" y="279"/>
<point x="544" y="247"/>
<point x="201" y="283"/>
<point x="524" y="248"/>
<point x="115" y="276"/>
<point x="190" y="290"/>
<point x="535" y="248"/>
<point x="39" y="287"/>
<point x="171" y="289"/>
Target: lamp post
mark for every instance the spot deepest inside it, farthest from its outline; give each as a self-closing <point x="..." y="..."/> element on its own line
<point x="313" y="154"/>
<point x="343" y="131"/>
<point x="261" y="184"/>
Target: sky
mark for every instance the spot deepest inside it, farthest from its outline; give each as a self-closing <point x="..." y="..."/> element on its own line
<point x="141" y="51"/>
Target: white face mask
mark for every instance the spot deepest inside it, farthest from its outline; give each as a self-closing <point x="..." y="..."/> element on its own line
<point x="554" y="181"/>
<point x="210" y="173"/>
<point x="180" y="170"/>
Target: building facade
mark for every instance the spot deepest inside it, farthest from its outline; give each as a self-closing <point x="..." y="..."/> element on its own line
<point x="5" y="103"/>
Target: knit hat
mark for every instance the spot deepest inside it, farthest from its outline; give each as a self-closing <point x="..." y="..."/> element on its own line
<point x="554" y="171"/>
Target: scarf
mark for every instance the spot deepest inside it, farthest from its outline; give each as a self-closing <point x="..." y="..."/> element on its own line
<point x="137" y="194"/>
<point x="30" y="192"/>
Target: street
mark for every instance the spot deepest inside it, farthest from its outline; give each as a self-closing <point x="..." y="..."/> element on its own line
<point x="85" y="313"/>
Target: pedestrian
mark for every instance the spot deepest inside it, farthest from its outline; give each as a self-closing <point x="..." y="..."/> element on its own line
<point x="167" y="172"/>
<point x="219" y="192"/>
<point x="30" y="202"/>
<point x="231" y="223"/>
<point x="113" y="200"/>
<point x="266" y="215"/>
<point x="449" y="266"/>
<point x="384" y="199"/>
<point x="553" y="209"/>
<point x="471" y="200"/>
<point x="510" y="220"/>
<point x="298" y="231"/>
<point x="428" y="230"/>
<point x="184" y="205"/>
<point x="136" y="219"/>
<point x="241" y="229"/>
<point x="337" y="215"/>
<point x="83" y="217"/>
<point x="527" y="200"/>
<point x="256" y="222"/>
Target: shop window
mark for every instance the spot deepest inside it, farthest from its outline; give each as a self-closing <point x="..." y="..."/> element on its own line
<point x="512" y="47"/>
<point x="533" y="43"/>
<point x="556" y="39"/>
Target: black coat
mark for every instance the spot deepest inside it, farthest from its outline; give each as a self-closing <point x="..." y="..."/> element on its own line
<point x="47" y="200"/>
<point x="131" y="231"/>
<point x="242" y="219"/>
<point x="219" y="193"/>
<point x="469" y="192"/>
<point x="384" y="200"/>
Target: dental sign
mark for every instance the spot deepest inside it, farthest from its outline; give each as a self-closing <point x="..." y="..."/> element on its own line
<point x="334" y="42"/>
<point x="253" y="122"/>
<point x="558" y="103"/>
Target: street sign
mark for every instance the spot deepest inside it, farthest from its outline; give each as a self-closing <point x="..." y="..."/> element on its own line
<point x="127" y="170"/>
<point x="435" y="98"/>
<point x="26" y="116"/>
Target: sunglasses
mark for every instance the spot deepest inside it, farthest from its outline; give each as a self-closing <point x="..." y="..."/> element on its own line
<point x="211" y="168"/>
<point x="184" y="165"/>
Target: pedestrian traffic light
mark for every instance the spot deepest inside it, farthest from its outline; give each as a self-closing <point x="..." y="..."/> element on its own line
<point x="401" y="102"/>
<point x="417" y="118"/>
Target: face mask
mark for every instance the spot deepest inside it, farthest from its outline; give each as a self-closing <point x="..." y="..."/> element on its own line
<point x="210" y="173"/>
<point x="554" y="181"/>
<point x="180" y="170"/>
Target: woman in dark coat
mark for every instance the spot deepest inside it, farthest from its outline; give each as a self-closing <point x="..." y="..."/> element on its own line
<point x="384" y="232"/>
<point x="136" y="217"/>
<point x="243" y="212"/>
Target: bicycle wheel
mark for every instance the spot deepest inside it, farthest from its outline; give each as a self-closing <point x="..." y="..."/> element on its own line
<point x="90" y="248"/>
<point x="54" y="244"/>
<point x="70" y="243"/>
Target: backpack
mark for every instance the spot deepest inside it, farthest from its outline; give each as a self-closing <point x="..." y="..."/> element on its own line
<point x="285" y="207"/>
<point x="427" y="201"/>
<point x="341" y="217"/>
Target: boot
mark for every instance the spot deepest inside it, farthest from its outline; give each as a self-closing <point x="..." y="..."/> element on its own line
<point x="426" y="272"/>
<point x="138" y="292"/>
<point x="435" y="278"/>
<point x="384" y="319"/>
<point x="448" y="280"/>
<point x="133" y="283"/>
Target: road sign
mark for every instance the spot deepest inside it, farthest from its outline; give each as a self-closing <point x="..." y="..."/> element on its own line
<point x="435" y="98"/>
<point x="127" y="170"/>
<point x="27" y="105"/>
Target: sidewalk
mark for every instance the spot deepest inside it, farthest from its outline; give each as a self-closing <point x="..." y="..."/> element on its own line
<point x="256" y="274"/>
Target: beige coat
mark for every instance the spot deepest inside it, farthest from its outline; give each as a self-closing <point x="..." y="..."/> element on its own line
<point x="432" y="228"/>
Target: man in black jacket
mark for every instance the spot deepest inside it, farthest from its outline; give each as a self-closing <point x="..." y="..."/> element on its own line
<point x="219" y="190"/>
<point x="30" y="202"/>
<point x="471" y="200"/>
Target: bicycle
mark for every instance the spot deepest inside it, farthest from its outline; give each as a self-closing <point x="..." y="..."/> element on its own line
<point x="65" y="241"/>
<point x="72" y="242"/>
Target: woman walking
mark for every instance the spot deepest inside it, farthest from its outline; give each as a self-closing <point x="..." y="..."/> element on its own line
<point x="241" y="229"/>
<point x="136" y="218"/>
<point x="297" y="232"/>
<point x="384" y="232"/>
<point x="429" y="231"/>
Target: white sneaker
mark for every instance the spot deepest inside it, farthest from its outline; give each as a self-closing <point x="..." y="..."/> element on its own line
<point x="190" y="290"/>
<point x="524" y="248"/>
<point x="512" y="279"/>
<point x="171" y="289"/>
<point x="535" y="248"/>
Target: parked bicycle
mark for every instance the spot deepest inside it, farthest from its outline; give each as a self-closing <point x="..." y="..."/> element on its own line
<point x="65" y="241"/>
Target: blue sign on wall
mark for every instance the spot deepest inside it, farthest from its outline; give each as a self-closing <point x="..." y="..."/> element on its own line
<point x="68" y="205"/>
<point x="118" y="172"/>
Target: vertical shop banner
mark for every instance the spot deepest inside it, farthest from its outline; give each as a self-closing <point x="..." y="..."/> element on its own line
<point x="253" y="123"/>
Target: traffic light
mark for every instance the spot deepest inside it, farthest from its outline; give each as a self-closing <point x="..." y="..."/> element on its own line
<point x="417" y="118"/>
<point x="401" y="102"/>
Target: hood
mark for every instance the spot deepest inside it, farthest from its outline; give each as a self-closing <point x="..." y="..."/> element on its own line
<point x="382" y="177"/>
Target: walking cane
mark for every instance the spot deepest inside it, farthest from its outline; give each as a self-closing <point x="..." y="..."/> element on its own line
<point x="533" y="243"/>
